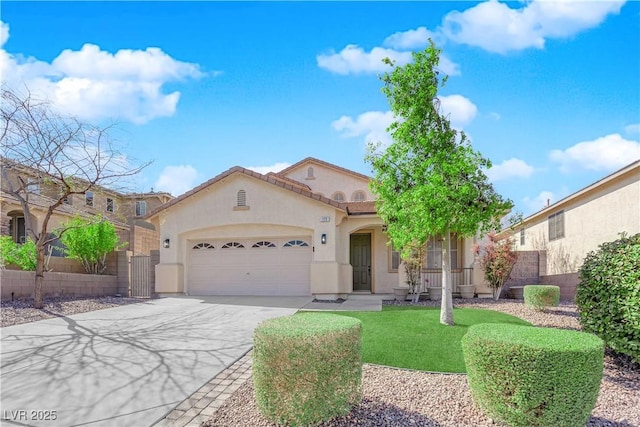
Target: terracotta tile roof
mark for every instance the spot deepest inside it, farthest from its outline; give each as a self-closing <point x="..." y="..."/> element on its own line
<point x="323" y="163"/>
<point x="361" y="208"/>
<point x="271" y="179"/>
<point x="289" y="180"/>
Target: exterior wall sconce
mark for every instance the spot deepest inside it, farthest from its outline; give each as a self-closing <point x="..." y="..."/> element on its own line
<point x="166" y="243"/>
<point x="323" y="239"/>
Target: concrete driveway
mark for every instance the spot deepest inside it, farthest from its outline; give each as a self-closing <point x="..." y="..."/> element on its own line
<point x="125" y="366"/>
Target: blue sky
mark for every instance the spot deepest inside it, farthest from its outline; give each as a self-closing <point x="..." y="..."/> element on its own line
<point x="549" y="91"/>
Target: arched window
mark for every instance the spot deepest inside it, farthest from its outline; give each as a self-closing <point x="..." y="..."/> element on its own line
<point x="232" y="245"/>
<point x="295" y="243"/>
<point x="358" y="196"/>
<point x="264" y="244"/>
<point x="242" y="198"/>
<point x="203" y="246"/>
<point x="338" y="196"/>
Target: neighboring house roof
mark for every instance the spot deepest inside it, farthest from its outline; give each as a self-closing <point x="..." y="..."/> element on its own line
<point x="31" y="171"/>
<point x="322" y="163"/>
<point x="630" y="169"/>
<point x="270" y="179"/>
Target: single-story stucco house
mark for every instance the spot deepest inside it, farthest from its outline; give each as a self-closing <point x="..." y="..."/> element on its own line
<point x="310" y="229"/>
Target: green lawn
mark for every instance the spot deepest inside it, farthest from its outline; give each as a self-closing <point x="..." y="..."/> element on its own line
<point x="412" y="337"/>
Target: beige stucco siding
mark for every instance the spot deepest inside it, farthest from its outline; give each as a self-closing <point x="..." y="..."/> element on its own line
<point x="589" y="220"/>
<point x="270" y="212"/>
<point x="327" y="181"/>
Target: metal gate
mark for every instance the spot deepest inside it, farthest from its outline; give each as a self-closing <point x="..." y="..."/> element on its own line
<point x="141" y="276"/>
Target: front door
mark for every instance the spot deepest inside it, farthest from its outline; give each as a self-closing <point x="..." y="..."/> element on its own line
<point x="361" y="261"/>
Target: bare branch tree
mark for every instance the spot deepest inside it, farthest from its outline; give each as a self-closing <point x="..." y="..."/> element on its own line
<point x="41" y="146"/>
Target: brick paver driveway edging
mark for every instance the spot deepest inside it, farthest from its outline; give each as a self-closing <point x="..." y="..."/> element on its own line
<point x="125" y="366"/>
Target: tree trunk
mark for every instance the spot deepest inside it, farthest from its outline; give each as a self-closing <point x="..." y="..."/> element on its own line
<point x="446" y="307"/>
<point x="37" y="291"/>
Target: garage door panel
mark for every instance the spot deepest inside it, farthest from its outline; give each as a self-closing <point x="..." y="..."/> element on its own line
<point x="262" y="270"/>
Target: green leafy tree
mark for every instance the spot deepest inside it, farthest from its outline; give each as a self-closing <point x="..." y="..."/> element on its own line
<point x="23" y="255"/>
<point x="90" y="241"/>
<point x="429" y="181"/>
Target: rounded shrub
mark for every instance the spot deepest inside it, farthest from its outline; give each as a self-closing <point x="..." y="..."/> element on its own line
<point x="540" y="297"/>
<point x="528" y="376"/>
<point x="608" y="295"/>
<point x="307" y="368"/>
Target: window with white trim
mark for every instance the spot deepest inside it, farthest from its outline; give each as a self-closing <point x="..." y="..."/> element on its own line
<point x="88" y="198"/>
<point x="394" y="259"/>
<point x="556" y="226"/>
<point x="434" y="253"/>
<point x="141" y="207"/>
<point x="110" y="205"/>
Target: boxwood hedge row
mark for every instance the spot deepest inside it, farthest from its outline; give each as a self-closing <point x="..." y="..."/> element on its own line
<point x="528" y="376"/>
<point x="307" y="368"/>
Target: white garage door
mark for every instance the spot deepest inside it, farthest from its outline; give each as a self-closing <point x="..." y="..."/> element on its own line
<point x="250" y="267"/>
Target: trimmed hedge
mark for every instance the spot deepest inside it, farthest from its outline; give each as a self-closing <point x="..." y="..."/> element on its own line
<point x="608" y="295"/>
<point x="528" y="376"/>
<point x="540" y="297"/>
<point x="307" y="368"/>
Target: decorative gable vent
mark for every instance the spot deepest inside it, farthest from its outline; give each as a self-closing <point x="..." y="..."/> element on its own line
<point x="242" y="199"/>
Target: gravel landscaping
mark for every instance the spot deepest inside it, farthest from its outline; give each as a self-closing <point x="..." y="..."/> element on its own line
<point x="397" y="397"/>
<point x="21" y="310"/>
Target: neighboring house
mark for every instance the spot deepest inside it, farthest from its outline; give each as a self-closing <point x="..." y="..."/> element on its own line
<point x="124" y="210"/>
<point x="310" y="229"/>
<point x="569" y="229"/>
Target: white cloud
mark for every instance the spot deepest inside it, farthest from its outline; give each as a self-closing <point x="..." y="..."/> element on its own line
<point x="372" y="125"/>
<point x="177" y="179"/>
<point x="94" y="84"/>
<point x="354" y="59"/>
<point x="603" y="154"/>
<point x="512" y="168"/>
<point x="411" y="39"/>
<point x="539" y="202"/>
<point x="276" y="167"/>
<point x="633" y="129"/>
<point x="461" y="110"/>
<point x="496" y="27"/>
